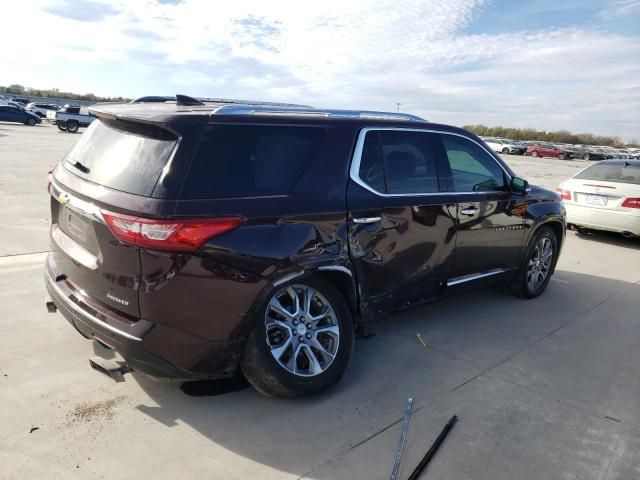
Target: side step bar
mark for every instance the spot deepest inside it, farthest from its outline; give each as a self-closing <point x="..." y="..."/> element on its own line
<point x="114" y="370"/>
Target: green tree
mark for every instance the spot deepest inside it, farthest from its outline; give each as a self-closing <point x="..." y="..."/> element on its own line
<point x="560" y="136"/>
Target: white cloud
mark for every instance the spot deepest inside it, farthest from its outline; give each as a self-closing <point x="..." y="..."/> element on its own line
<point x="620" y="8"/>
<point x="336" y="53"/>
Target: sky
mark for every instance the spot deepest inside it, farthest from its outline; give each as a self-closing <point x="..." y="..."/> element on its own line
<point x="545" y="64"/>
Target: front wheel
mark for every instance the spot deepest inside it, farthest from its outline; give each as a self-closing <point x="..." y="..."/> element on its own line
<point x="62" y="126"/>
<point x="561" y="156"/>
<point x="539" y="262"/>
<point x="301" y="341"/>
<point x="72" y="126"/>
<point x="505" y="150"/>
<point x="31" y="122"/>
<point x="534" y="154"/>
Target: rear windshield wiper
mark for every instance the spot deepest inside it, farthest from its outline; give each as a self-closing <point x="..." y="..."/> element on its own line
<point x="81" y="167"/>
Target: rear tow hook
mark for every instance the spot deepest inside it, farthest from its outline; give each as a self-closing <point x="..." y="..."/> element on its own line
<point x="114" y="370"/>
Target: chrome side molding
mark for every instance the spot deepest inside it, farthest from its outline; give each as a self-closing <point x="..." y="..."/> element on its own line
<point x="475" y="276"/>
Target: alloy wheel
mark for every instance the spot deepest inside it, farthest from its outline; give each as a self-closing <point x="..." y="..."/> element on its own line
<point x="540" y="264"/>
<point x="302" y="330"/>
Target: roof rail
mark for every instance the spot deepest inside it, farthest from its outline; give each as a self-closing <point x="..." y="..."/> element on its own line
<point x="233" y="101"/>
<point x="297" y="111"/>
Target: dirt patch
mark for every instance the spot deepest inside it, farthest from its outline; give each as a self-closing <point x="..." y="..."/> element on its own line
<point x="92" y="411"/>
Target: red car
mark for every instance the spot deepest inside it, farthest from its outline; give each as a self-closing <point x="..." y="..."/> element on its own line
<point x="548" y="150"/>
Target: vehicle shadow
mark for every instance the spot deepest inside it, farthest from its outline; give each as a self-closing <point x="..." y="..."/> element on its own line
<point x="610" y="238"/>
<point x="465" y="336"/>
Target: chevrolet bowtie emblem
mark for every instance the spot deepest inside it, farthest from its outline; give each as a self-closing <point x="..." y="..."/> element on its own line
<point x="63" y="198"/>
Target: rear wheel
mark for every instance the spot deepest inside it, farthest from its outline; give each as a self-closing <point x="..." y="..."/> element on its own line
<point x="31" y="121"/>
<point x="505" y="150"/>
<point x="301" y="341"/>
<point x="534" y="153"/>
<point x="62" y="126"/>
<point x="586" y="156"/>
<point x="72" y="126"/>
<point x="561" y="156"/>
<point x="539" y="262"/>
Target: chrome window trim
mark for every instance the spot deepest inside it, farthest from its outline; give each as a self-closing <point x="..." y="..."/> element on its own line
<point x="354" y="172"/>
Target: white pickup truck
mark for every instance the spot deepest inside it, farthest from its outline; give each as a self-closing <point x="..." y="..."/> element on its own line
<point x="70" y="119"/>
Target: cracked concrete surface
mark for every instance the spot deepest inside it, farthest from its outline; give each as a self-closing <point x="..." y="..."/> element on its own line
<point x="545" y="389"/>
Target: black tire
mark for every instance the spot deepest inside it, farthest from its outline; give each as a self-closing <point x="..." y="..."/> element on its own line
<point x="586" y="156"/>
<point x="269" y="377"/>
<point x="72" y="126"/>
<point x="505" y="150"/>
<point x="62" y="126"/>
<point x="520" y="285"/>
<point x="561" y="156"/>
<point x="534" y="154"/>
<point x="30" y="121"/>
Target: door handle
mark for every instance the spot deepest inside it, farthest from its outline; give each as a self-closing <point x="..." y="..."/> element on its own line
<point x="365" y="220"/>
<point x="469" y="211"/>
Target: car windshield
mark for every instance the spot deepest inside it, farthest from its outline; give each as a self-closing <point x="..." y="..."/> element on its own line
<point x="620" y="172"/>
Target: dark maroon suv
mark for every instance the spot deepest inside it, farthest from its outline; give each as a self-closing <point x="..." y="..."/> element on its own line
<point x="199" y="239"/>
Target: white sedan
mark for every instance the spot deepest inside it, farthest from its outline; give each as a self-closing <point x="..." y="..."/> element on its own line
<point x="604" y="196"/>
<point x="502" y="145"/>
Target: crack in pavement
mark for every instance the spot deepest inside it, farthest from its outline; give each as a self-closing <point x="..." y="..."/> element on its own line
<point x="629" y="428"/>
<point x="9" y="255"/>
<point x="362" y="442"/>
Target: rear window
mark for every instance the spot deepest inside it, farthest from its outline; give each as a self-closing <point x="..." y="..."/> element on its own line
<point x="250" y="160"/>
<point x="622" y="172"/>
<point x="125" y="156"/>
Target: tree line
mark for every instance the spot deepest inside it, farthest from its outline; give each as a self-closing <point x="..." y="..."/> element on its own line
<point x="17" y="90"/>
<point x="560" y="136"/>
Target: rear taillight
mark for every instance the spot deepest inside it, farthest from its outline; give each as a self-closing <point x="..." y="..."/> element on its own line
<point x="631" y="203"/>
<point x="172" y="235"/>
<point x="564" y="194"/>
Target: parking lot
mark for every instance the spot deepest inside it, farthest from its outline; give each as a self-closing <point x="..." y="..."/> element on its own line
<point x="544" y="389"/>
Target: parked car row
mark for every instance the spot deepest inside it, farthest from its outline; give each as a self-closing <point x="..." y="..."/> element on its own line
<point x="14" y="112"/>
<point x="68" y="118"/>
<point x="562" y="151"/>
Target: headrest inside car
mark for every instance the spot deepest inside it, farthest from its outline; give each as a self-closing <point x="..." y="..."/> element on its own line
<point x="401" y="164"/>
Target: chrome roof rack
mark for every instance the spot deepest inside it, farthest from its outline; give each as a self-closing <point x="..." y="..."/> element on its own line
<point x="268" y="109"/>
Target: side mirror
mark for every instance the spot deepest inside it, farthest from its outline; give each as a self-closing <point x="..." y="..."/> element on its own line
<point x="520" y="186"/>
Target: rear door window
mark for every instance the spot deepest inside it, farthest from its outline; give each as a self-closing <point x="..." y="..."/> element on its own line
<point x="399" y="162"/>
<point x="250" y="160"/>
<point x="125" y="156"/>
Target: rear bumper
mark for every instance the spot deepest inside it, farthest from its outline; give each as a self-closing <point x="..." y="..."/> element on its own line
<point x="147" y="347"/>
<point x="601" y="219"/>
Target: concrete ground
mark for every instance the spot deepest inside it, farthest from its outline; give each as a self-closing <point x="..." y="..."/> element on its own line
<point x="544" y="389"/>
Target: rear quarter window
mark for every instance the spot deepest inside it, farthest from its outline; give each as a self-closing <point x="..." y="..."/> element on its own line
<point x="250" y="160"/>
